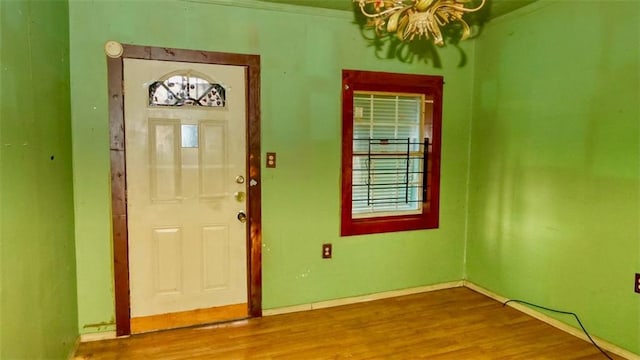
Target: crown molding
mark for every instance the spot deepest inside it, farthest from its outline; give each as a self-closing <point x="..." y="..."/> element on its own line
<point x="279" y="7"/>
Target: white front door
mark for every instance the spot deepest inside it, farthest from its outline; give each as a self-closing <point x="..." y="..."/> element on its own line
<point x="185" y="129"/>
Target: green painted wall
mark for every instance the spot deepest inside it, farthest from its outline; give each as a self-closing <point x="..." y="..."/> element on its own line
<point x="303" y="52"/>
<point x="2" y="91"/>
<point x="37" y="256"/>
<point x="554" y="206"/>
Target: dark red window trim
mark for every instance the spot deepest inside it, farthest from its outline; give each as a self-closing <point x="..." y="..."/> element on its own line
<point x="354" y="80"/>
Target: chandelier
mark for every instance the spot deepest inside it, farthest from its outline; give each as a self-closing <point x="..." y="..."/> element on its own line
<point x="411" y="19"/>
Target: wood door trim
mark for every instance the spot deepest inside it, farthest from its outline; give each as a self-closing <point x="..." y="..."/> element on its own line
<point x="118" y="169"/>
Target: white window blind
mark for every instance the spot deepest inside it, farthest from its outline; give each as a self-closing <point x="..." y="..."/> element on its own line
<point x="387" y="154"/>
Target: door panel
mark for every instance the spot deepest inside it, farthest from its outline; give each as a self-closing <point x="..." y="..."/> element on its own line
<point x="165" y="159"/>
<point x="167" y="265"/>
<point x="212" y="158"/>
<point x="187" y="249"/>
<point x="215" y="241"/>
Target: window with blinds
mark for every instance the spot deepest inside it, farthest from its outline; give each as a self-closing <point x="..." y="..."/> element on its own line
<point x="388" y="154"/>
<point x="391" y="139"/>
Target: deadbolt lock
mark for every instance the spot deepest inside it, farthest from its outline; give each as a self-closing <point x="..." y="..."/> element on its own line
<point x="242" y="217"/>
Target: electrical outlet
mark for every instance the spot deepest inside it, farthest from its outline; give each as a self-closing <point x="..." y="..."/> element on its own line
<point x="636" y="285"/>
<point x="326" y="251"/>
<point x="271" y="160"/>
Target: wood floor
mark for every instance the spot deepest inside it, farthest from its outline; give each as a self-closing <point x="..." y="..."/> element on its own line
<point x="447" y="324"/>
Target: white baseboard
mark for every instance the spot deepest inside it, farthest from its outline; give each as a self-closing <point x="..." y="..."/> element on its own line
<point x="359" y="299"/>
<point x="553" y="322"/>
<point x="106" y="335"/>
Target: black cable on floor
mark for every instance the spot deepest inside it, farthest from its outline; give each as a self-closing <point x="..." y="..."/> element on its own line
<point x="566" y="313"/>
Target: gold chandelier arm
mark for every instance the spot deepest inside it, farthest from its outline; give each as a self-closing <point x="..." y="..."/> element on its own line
<point x="445" y="12"/>
<point x="417" y="18"/>
<point x="466" y="30"/>
<point x="455" y="6"/>
<point x="476" y="9"/>
<point x="363" y="3"/>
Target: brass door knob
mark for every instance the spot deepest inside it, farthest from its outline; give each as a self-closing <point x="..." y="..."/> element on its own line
<point x="242" y="217"/>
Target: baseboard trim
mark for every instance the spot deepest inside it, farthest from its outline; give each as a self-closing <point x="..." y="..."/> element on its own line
<point x="359" y="299"/>
<point x="605" y="345"/>
<point x="106" y="335"/>
<point x="422" y="289"/>
<point x="72" y="353"/>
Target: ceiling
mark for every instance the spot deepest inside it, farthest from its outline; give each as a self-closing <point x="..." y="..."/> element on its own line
<point x="497" y="7"/>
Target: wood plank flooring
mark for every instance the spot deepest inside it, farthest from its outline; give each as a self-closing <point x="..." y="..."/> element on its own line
<point x="447" y="324"/>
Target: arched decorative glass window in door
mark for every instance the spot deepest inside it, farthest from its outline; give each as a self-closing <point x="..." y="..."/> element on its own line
<point x="186" y="88"/>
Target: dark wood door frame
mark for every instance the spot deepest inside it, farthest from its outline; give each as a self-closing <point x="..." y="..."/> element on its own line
<point x="118" y="168"/>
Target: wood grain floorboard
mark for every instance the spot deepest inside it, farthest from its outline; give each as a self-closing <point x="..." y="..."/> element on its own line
<point x="447" y="324"/>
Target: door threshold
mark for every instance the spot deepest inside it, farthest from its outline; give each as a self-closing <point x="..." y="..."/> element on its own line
<point x="190" y="318"/>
